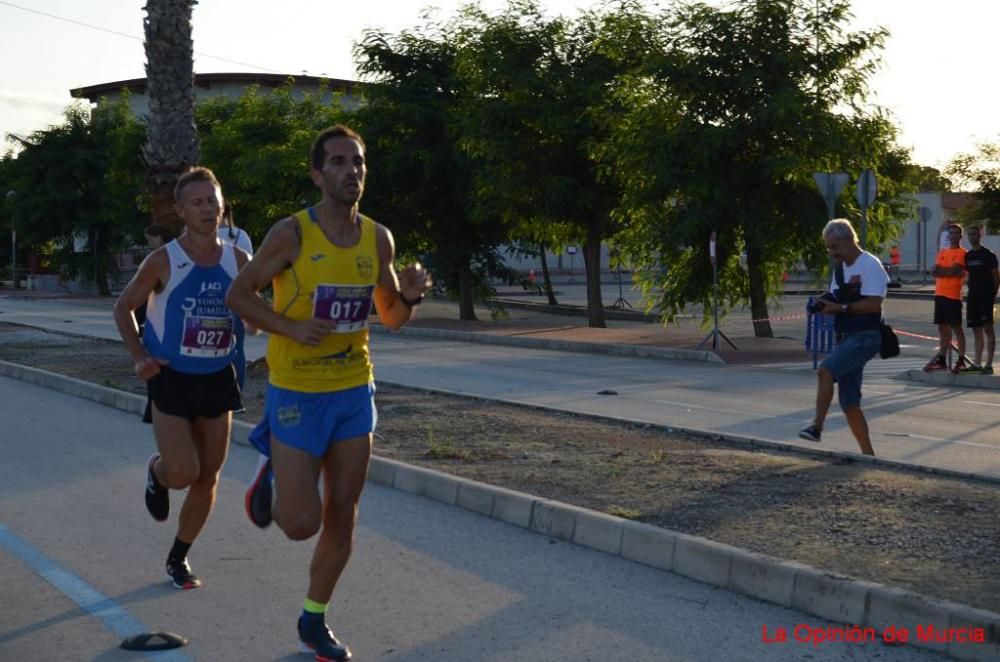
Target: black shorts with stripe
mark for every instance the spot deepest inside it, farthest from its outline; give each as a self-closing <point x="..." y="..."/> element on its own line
<point x="192" y="396"/>
<point x="979" y="310"/>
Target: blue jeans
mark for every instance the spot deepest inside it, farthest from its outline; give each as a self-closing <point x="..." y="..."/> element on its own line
<point x="847" y="364"/>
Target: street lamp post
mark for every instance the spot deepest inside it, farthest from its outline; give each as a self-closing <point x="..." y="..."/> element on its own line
<point x="13" y="240"/>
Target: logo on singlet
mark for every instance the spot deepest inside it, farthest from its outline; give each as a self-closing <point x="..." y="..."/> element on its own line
<point x="364" y="264"/>
<point x="343" y="354"/>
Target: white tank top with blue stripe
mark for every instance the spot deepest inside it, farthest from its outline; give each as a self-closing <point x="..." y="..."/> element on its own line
<point x="188" y="323"/>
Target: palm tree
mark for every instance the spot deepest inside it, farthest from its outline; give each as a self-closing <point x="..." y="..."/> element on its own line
<point x="172" y="144"/>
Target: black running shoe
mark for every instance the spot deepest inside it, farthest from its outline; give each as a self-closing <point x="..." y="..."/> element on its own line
<point x="260" y="496"/>
<point x="315" y="637"/>
<point x="157" y="496"/>
<point x="811" y="433"/>
<point x="180" y="574"/>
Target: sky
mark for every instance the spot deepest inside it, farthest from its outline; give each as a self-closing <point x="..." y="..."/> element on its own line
<point x="936" y="76"/>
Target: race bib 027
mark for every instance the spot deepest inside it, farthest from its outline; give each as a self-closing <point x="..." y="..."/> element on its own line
<point x="207" y="336"/>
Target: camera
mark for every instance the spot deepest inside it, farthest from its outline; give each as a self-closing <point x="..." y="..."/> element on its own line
<point x="817" y="307"/>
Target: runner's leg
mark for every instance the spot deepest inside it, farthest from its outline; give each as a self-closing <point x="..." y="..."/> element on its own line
<point x="299" y="509"/>
<point x="211" y="439"/>
<point x="345" y="468"/>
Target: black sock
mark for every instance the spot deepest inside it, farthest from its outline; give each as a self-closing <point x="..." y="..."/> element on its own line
<point x="179" y="551"/>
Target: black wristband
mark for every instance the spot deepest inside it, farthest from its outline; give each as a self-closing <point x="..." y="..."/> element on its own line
<point x="407" y="302"/>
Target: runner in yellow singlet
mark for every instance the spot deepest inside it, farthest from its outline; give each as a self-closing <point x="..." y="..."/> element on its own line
<point x="328" y="264"/>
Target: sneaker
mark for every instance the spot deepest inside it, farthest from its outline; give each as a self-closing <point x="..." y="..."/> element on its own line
<point x="960" y="366"/>
<point x="315" y="637"/>
<point x="157" y="496"/>
<point x="987" y="370"/>
<point x="180" y="574"/>
<point x="937" y="363"/>
<point x="260" y="496"/>
<point x="971" y="370"/>
<point x="811" y="433"/>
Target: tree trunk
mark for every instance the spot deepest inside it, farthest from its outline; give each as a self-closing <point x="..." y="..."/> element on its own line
<point x="100" y="270"/>
<point x="592" y="264"/>
<point x="466" y="307"/>
<point x="171" y="135"/>
<point x="758" y="296"/>
<point x="547" y="277"/>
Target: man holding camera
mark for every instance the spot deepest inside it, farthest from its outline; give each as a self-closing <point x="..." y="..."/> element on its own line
<point x="857" y="290"/>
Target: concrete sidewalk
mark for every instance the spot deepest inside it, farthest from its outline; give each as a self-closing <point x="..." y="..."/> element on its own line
<point x="568" y="329"/>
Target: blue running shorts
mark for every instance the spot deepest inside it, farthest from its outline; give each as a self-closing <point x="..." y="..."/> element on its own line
<point x="311" y="422"/>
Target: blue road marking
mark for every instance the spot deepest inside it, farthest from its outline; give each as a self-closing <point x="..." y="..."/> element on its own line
<point x="113" y="617"/>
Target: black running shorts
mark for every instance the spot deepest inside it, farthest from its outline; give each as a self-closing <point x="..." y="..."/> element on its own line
<point x="192" y="396"/>
<point x="947" y="311"/>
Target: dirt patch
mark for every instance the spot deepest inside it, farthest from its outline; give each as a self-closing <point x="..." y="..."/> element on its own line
<point x="937" y="536"/>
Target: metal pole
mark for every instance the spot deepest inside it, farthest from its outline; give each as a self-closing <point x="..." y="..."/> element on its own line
<point x="923" y="253"/>
<point x="13" y="239"/>
<point x="864" y="228"/>
<point x="716" y="345"/>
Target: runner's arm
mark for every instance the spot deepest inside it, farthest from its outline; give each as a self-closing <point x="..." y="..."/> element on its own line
<point x="278" y="252"/>
<point x="392" y="293"/>
<point x="242" y="258"/>
<point x="150" y="277"/>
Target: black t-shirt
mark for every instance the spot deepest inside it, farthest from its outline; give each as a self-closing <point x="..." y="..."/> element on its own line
<point x="980" y="263"/>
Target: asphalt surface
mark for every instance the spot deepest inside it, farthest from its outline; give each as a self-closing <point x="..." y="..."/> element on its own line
<point x="81" y="566"/>
<point x="542" y="377"/>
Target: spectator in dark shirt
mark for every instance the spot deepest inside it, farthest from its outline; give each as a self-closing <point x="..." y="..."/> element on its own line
<point x="981" y="265"/>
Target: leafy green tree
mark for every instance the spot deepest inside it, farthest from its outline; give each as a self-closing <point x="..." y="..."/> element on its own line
<point x="539" y="102"/>
<point x="980" y="171"/>
<point x="258" y="146"/>
<point x="420" y="180"/>
<point x="927" y="179"/>
<point x="81" y="177"/>
<point x="723" y="131"/>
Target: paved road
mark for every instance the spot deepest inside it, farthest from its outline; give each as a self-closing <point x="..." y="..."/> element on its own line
<point x="943" y="427"/>
<point x="80" y="566"/>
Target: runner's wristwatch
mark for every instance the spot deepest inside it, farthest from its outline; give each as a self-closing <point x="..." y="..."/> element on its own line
<point x="410" y="303"/>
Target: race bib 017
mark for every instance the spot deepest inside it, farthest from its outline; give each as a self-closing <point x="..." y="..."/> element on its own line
<point x="347" y="305"/>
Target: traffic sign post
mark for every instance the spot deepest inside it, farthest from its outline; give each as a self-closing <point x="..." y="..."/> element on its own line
<point x="867" y="189"/>
<point x="830" y="185"/>
<point x="925" y="218"/>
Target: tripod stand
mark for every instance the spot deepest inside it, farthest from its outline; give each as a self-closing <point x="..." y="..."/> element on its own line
<point x="620" y="303"/>
<point x="716" y="332"/>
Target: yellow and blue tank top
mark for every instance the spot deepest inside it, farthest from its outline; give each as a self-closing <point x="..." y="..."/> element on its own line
<point x="188" y="323"/>
<point x="333" y="283"/>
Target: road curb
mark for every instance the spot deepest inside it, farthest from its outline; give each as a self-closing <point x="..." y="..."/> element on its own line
<point x="789" y="584"/>
<point x="946" y="378"/>
<point x="557" y="345"/>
